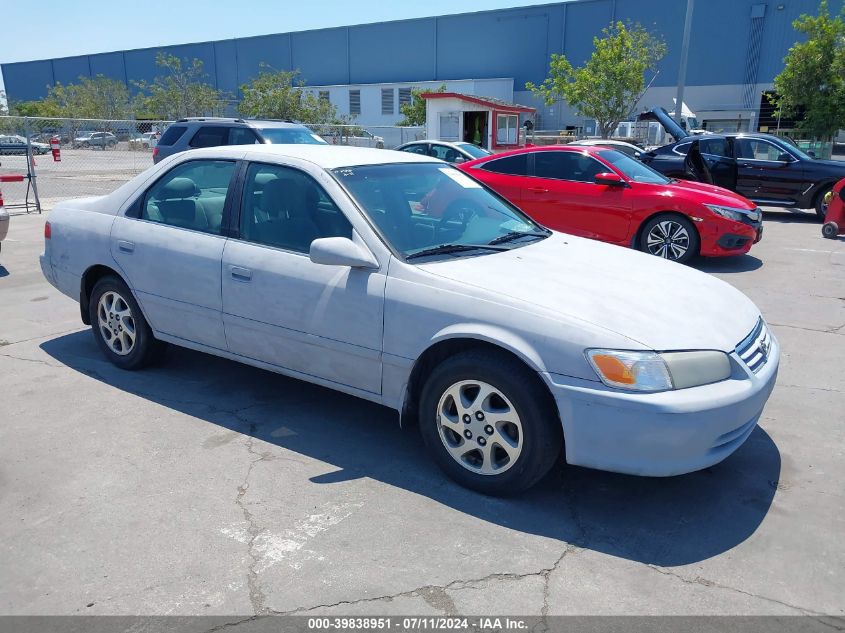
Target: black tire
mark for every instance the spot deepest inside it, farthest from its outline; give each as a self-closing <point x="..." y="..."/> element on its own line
<point x="830" y="230"/>
<point x="692" y="244"/>
<point x="146" y="349"/>
<point x="85" y="145"/>
<point x="820" y="205"/>
<point x="541" y="435"/>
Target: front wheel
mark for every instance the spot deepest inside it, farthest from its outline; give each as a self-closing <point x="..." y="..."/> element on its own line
<point x="671" y="237"/>
<point x="119" y="327"/>
<point x="489" y="422"/>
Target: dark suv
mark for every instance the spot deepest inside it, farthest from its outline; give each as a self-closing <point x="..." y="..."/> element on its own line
<point x="767" y="169"/>
<point x="192" y="133"/>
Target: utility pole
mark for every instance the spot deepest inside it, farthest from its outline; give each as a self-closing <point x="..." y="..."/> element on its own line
<point x="682" y="71"/>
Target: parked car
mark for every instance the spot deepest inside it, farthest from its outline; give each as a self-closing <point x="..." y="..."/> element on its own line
<point x="504" y="340"/>
<point x="95" y="139"/>
<point x="359" y="137"/>
<point x="603" y="194"/>
<point x="198" y="132"/>
<point x="13" y="144"/>
<point x="146" y="140"/>
<point x="620" y="146"/>
<point x="768" y="169"/>
<point x="450" y="152"/>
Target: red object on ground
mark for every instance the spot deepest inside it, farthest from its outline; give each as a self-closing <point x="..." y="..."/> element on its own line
<point x="56" y="149"/>
<point x="834" y="219"/>
<point x="563" y="194"/>
<point x="11" y="178"/>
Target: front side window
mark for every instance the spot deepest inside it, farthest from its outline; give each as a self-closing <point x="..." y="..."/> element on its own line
<point x="435" y="210"/>
<point x="758" y="149"/>
<point x="563" y="165"/>
<point x="713" y="146"/>
<point x="416" y="149"/>
<point x="242" y="136"/>
<point x="285" y="208"/>
<point x="190" y="196"/>
<point x="506" y="125"/>
<point x="211" y="136"/>
<point x="291" y="136"/>
<point x="444" y="152"/>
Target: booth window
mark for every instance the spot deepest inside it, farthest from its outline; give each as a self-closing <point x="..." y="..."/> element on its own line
<point x="506" y="126"/>
<point x="387" y="101"/>
<point x="354" y="102"/>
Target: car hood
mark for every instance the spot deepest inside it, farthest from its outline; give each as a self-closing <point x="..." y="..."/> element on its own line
<point x="836" y="166"/>
<point x="660" y="304"/>
<point x="667" y="122"/>
<point x="711" y="194"/>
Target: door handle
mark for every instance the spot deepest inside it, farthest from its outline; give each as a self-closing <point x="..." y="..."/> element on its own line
<point x="241" y="274"/>
<point x="126" y="247"/>
<point x="537" y="190"/>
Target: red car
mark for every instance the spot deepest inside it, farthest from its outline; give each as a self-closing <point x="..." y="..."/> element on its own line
<point x="603" y="194"/>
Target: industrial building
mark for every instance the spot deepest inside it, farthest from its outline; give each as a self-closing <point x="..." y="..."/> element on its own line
<point x="367" y="71"/>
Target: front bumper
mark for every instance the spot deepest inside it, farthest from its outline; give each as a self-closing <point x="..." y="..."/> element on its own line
<point x="721" y="236"/>
<point x="661" y="434"/>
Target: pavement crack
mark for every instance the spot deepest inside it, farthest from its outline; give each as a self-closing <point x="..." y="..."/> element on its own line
<point x="34" y="360"/>
<point x="698" y="580"/>
<point x="831" y="330"/>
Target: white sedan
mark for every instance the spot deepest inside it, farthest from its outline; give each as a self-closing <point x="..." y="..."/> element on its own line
<point x="505" y="341"/>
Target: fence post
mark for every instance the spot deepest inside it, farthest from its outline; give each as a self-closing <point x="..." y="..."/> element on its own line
<point x="30" y="167"/>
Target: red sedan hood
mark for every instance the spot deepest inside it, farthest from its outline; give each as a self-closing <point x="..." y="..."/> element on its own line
<point x="710" y="194"/>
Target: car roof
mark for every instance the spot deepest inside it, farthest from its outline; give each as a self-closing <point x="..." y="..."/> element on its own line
<point x="325" y="156"/>
<point x="233" y="121"/>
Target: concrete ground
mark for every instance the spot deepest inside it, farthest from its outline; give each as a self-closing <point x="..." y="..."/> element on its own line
<point x="208" y="487"/>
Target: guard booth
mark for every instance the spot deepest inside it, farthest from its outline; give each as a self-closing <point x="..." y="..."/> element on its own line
<point x="484" y="121"/>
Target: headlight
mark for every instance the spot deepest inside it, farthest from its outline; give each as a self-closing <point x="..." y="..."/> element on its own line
<point x="650" y="371"/>
<point x="731" y="213"/>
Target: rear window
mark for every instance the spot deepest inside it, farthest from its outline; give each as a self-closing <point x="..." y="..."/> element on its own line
<point x="172" y="134"/>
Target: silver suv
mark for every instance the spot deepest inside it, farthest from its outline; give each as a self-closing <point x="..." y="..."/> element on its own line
<point x="192" y="133"/>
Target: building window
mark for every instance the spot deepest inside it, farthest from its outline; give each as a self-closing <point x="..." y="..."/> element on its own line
<point x="354" y="102"/>
<point x="506" y="126"/>
<point x="324" y="95"/>
<point x="404" y="97"/>
<point x="387" y="101"/>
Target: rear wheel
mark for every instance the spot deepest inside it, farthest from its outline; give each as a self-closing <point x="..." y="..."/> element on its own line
<point x="489" y="423"/>
<point x="671" y="237"/>
<point x="822" y="203"/>
<point x="119" y="327"/>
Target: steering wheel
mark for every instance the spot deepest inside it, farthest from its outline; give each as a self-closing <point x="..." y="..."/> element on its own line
<point x="459" y="212"/>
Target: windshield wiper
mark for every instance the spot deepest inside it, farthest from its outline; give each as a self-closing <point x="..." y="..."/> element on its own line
<point x="446" y="249"/>
<point x="515" y="235"/>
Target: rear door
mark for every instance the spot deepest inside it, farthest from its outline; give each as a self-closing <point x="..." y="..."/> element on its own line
<point x="767" y="172"/>
<point x="170" y="245"/>
<point x="716" y="153"/>
<point x="507" y="175"/>
<point x="564" y="196"/>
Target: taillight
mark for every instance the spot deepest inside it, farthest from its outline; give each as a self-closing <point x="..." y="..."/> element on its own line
<point x="48" y="232"/>
<point x="155" y="153"/>
<point x="1" y="198"/>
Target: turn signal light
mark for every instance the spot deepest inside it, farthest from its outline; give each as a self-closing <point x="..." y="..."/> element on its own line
<point x="48" y="232"/>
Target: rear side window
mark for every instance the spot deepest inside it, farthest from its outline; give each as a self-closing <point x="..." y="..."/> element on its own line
<point x="714" y="146"/>
<point x="212" y="136"/>
<point x="172" y="134"/>
<point x="516" y="165"/>
<point x="190" y="196"/>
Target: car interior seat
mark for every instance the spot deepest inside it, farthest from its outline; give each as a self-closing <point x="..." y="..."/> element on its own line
<point x="176" y="204"/>
<point x="289" y="224"/>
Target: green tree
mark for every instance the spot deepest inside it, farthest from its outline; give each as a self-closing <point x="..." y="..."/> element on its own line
<point x="92" y="98"/>
<point x="4" y="105"/>
<point x="414" y="111"/>
<point x="813" y="78"/>
<point x="180" y="92"/>
<point x="609" y="85"/>
<point x="279" y="94"/>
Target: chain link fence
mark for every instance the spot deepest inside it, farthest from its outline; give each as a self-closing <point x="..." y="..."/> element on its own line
<point x="97" y="156"/>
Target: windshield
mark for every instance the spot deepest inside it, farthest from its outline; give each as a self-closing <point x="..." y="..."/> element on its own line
<point x="473" y="150"/>
<point x="793" y="147"/>
<point x="633" y="169"/>
<point x="422" y="206"/>
<point x="291" y="136"/>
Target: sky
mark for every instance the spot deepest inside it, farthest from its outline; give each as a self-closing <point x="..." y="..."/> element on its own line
<point x="76" y="27"/>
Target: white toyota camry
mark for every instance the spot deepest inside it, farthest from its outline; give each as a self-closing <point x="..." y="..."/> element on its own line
<point x="505" y="341"/>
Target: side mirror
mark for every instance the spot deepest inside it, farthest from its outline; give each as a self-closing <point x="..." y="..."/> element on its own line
<point x="458" y="160"/>
<point x="610" y="179"/>
<point x="783" y="157"/>
<point x="340" y="251"/>
<point x="811" y="153"/>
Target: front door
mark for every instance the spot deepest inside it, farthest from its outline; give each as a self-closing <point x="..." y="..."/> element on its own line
<point x="563" y="195"/>
<point x="767" y="172"/>
<point x="169" y="246"/>
<point x="281" y="308"/>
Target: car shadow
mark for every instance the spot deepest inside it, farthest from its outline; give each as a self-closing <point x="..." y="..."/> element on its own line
<point x="791" y="216"/>
<point x="3" y="271"/>
<point x="732" y="264"/>
<point x="660" y="521"/>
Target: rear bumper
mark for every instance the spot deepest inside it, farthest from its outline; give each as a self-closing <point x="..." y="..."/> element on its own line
<point x="661" y="434"/>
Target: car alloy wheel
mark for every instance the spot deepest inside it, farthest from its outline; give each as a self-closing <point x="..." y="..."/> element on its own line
<point x="668" y="239"/>
<point x="116" y="323"/>
<point x="479" y="427"/>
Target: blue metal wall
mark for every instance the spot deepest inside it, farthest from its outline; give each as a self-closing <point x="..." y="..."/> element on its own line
<point x="505" y="43"/>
